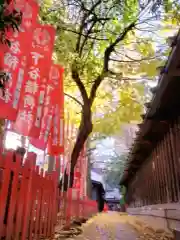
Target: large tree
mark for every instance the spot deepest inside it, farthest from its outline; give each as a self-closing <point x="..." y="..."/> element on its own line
<point x="94" y="41"/>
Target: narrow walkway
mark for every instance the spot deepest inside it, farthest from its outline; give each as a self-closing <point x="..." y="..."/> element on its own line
<point x="114" y="226"/>
<point x="107" y="227"/>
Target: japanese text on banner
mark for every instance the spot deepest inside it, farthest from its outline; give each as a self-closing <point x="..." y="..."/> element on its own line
<point x="49" y="107"/>
<point x="43" y="43"/>
<point x="14" y="59"/>
<point x="31" y="108"/>
<point x="56" y="139"/>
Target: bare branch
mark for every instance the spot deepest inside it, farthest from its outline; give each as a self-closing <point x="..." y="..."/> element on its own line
<point x="107" y="54"/>
<point x="133" y="60"/>
<point x="86" y="37"/>
<point x="111" y="47"/>
<point x="94" y="88"/>
<point x="82" y="89"/>
<point x="74" y="99"/>
<point x="80" y="33"/>
<point x="90" y="31"/>
<point x="83" y="35"/>
<point x="83" y="22"/>
<point x="95" y="18"/>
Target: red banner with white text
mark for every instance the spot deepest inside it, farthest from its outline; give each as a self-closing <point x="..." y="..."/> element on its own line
<point x="44" y="43"/>
<point x="56" y="139"/>
<point x="84" y="167"/>
<point x="49" y="107"/>
<point x="80" y="173"/>
<point x="13" y="59"/>
<point x="70" y="139"/>
<point x="30" y="113"/>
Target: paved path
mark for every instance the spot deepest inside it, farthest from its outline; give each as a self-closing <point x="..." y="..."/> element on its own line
<point x="107" y="227"/>
<point x="114" y="226"/>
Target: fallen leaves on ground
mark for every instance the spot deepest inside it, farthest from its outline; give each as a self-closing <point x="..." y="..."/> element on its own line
<point x="146" y="232"/>
<point x="62" y="234"/>
<point x="113" y="226"/>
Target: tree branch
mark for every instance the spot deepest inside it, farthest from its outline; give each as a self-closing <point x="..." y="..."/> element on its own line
<point x="133" y="60"/>
<point x="90" y="31"/>
<point x="73" y="98"/>
<point x="80" y="33"/>
<point x="79" y="83"/>
<point x="107" y="54"/>
<point x="84" y="35"/>
<point x="86" y="38"/>
<point x="111" y="47"/>
<point x="83" y="22"/>
<point x="94" y="88"/>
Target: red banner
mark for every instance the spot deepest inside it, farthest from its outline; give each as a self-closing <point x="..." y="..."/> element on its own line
<point x="13" y="59"/>
<point x="30" y="113"/>
<point x="43" y="44"/>
<point x="56" y="139"/>
<point x="83" y="170"/>
<point x="80" y="173"/>
<point x="49" y="107"/>
<point x="77" y="172"/>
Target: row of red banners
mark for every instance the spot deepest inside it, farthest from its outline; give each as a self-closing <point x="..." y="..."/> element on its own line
<point x="33" y="99"/>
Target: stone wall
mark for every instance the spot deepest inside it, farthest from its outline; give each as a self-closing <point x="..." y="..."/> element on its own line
<point x="164" y="216"/>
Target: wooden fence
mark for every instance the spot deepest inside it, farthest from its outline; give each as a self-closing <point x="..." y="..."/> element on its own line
<point x="158" y="179"/>
<point x="30" y="202"/>
<point x="27" y="198"/>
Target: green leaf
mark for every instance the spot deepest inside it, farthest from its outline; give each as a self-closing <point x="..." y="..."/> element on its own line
<point x="118" y="100"/>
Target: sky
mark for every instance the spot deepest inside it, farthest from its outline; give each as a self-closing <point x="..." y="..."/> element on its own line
<point x="106" y="146"/>
<point x="13" y="140"/>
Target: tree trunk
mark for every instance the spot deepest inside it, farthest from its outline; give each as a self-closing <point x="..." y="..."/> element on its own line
<point x="84" y="130"/>
<point x="88" y="179"/>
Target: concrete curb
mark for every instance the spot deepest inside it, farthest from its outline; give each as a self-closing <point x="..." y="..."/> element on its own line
<point x="166" y="216"/>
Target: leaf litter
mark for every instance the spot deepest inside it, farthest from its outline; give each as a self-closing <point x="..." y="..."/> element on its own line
<point x="113" y="226"/>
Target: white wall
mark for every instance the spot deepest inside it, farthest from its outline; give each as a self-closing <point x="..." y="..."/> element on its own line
<point x="113" y="194"/>
<point x="97" y="177"/>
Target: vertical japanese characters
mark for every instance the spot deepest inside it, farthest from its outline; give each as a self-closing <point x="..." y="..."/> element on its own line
<point x="43" y="43"/>
<point x="49" y="109"/>
<point x="13" y="60"/>
<point x="33" y="99"/>
<point x="56" y="139"/>
<point x="31" y="108"/>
